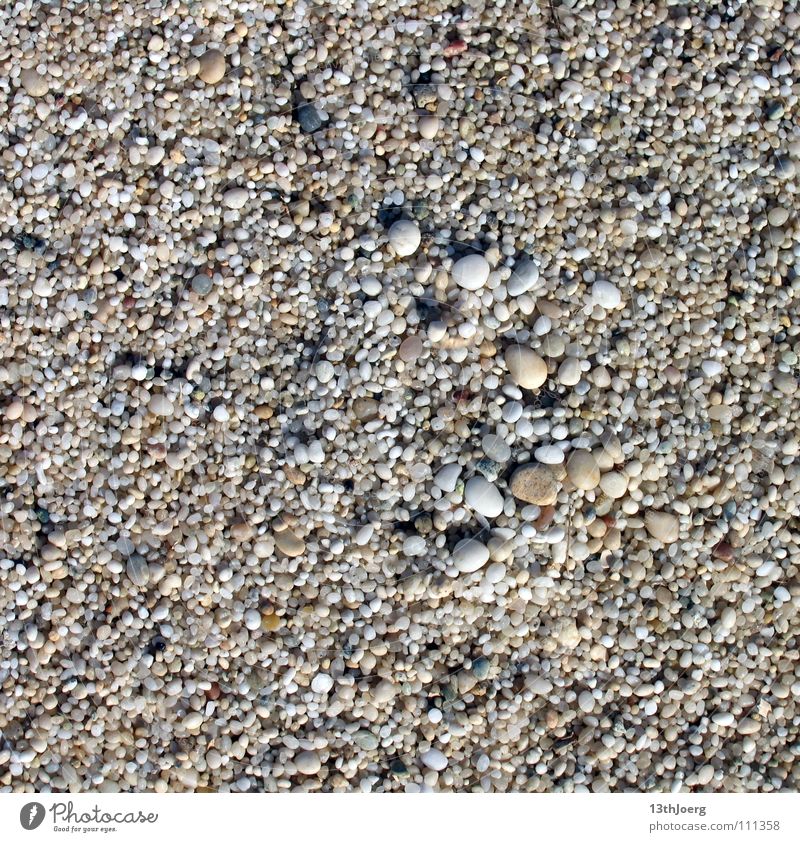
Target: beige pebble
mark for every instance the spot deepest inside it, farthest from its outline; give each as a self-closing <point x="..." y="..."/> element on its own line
<point x="583" y="471"/>
<point x="535" y="484"/>
<point x="663" y="526"/>
<point x="212" y="67"/>
<point x="614" y="484"/>
<point x="526" y="368"/>
<point x="308" y="763"/>
<point x="289" y="543"/>
<point x="428" y="127"/>
<point x="34" y="83"/>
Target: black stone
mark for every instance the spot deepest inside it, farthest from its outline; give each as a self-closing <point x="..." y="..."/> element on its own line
<point x="308" y="118"/>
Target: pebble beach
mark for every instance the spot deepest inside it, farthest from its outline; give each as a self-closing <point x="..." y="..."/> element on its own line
<point x="399" y="397"/>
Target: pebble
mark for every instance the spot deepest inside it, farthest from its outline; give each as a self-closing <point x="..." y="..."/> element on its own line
<point x="483" y="497"/>
<point x="212" y="67"/>
<point x="481" y="668"/>
<point x="289" y="543"/>
<point x="534" y="484"/>
<point x="138" y="570"/>
<point x="606" y="295"/>
<point x="428" y="127"/>
<point x="309" y="118"/>
<point x="471" y="272"/>
<point x="161" y="405"/>
<point x="252" y="619"/>
<point x="569" y="372"/>
<point x="404" y="237"/>
<point x="322" y="683"/>
<point x="583" y="471"/>
<point x="524" y="278"/>
<point x="242" y="433"/>
<point x="434" y="759"/>
<point x="202" y="284"/>
<point x="34" y="83"/>
<point x="470" y="555"/>
<point x="526" y="368"/>
<point x="308" y="763"/>
<point x="447" y="477"/>
<point x="383" y="692"/>
<point x="236" y="198"/>
<point x="663" y="526"/>
<point x="496" y="448"/>
<point x="614" y="485"/>
<point x="549" y="454"/>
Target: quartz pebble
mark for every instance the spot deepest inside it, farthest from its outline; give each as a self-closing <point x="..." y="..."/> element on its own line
<point x="606" y="295"/>
<point x="236" y="198"/>
<point x="308" y="763"/>
<point x="526" y="367"/>
<point x="404" y="237"/>
<point x="483" y="497"/>
<point x="434" y="759"/>
<point x="470" y="555"/>
<point x="471" y="272"/>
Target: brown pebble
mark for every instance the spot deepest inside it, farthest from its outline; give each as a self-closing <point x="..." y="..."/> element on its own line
<point x="213" y="692"/>
<point x="545" y="517"/>
<point x="723" y="551"/>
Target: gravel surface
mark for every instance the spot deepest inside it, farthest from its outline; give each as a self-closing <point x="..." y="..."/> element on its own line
<point x="399" y="396"/>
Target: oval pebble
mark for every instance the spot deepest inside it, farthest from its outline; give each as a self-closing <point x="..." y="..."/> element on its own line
<point x="470" y="555"/>
<point x="404" y="237"/>
<point x="535" y="484"/>
<point x="434" y="759"/>
<point x="212" y="67"/>
<point x="138" y="570"/>
<point x="484" y="497"/>
<point x="526" y="368"/>
<point x="471" y="272"/>
<point x="583" y="471"/>
<point x="308" y="763"/>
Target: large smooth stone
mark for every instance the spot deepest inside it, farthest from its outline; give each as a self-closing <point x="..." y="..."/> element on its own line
<point x="471" y="272"/>
<point x="404" y="237"/>
<point x="483" y="497"/>
<point x="527" y="369"/>
<point x="470" y="555"/>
